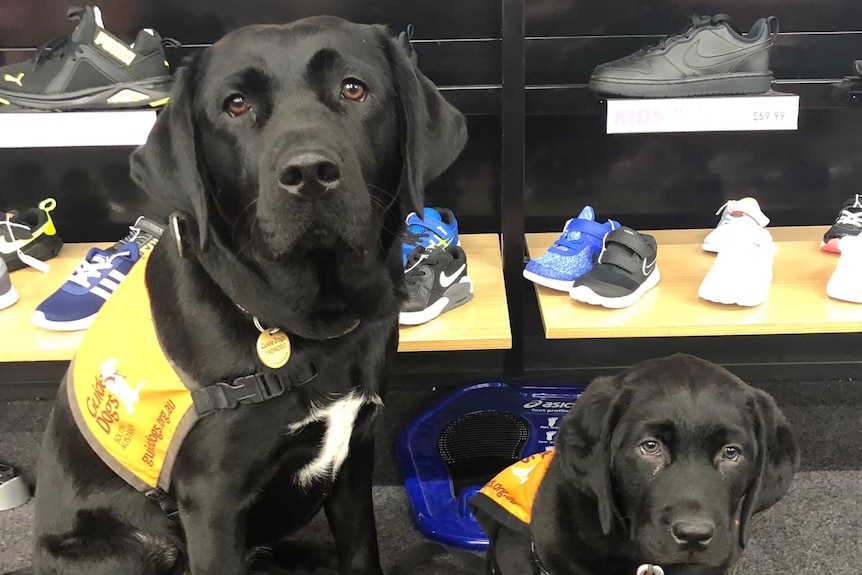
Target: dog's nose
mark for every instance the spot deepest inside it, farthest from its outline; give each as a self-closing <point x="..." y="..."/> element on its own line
<point x="693" y="533"/>
<point x="308" y="173"/>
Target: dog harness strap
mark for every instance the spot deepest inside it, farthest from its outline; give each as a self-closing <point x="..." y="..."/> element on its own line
<point x="255" y="388"/>
<point x="163" y="500"/>
<point x="538" y="568"/>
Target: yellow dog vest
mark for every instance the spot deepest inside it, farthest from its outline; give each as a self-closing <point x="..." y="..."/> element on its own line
<point x="508" y="497"/>
<point x="127" y="400"/>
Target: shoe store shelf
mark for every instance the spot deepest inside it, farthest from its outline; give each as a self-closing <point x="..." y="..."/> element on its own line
<point x="75" y="129"/>
<point x="797" y="302"/>
<point x="483" y="323"/>
<point x="20" y="340"/>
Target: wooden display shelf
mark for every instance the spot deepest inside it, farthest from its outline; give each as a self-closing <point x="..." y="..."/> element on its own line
<point x="20" y="340"/>
<point x="797" y="302"/>
<point x="483" y="323"/>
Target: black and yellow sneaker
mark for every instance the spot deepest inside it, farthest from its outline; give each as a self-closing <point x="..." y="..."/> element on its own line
<point x="90" y="70"/>
<point x="30" y="238"/>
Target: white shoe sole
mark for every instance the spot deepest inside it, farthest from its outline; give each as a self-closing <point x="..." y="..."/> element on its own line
<point x="559" y="285"/>
<point x="39" y="320"/>
<point x="8" y="298"/>
<point x="437" y="308"/>
<point x="733" y="280"/>
<point x="586" y="295"/>
<point x="845" y="283"/>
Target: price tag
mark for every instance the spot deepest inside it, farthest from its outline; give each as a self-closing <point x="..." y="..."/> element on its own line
<point x="771" y="111"/>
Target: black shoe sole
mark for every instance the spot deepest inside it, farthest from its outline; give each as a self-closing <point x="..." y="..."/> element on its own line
<point x="43" y="249"/>
<point x="151" y="93"/>
<point x="717" y="85"/>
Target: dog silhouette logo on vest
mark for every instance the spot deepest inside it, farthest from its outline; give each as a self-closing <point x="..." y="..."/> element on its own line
<point x="117" y="384"/>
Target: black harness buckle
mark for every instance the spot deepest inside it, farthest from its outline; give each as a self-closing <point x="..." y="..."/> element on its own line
<point x="248" y="389"/>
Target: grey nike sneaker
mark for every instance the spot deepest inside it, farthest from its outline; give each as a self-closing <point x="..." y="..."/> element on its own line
<point x="436" y="280"/>
<point x="711" y="57"/>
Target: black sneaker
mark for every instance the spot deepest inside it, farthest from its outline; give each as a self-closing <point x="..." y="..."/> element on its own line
<point x="437" y="281"/>
<point x="624" y="271"/>
<point x="848" y="223"/>
<point x="91" y="69"/>
<point x="28" y="238"/>
<point x="711" y="57"/>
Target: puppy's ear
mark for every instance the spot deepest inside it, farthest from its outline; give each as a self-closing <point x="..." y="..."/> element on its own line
<point x="776" y="462"/>
<point x="584" y="442"/>
<point x="432" y="132"/>
<point x="167" y="167"/>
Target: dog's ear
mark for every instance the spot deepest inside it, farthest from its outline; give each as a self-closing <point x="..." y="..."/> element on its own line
<point x="432" y="132"/>
<point x="583" y="442"/>
<point x="167" y="166"/>
<point x="776" y="462"/>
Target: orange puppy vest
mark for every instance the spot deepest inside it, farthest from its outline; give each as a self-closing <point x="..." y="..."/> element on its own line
<point x="508" y="497"/>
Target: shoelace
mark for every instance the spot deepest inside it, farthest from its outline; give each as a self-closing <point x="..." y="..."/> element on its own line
<point x="30" y="261"/>
<point x="848" y="218"/>
<point x="413" y="260"/>
<point x="91" y="270"/>
<point x="729" y="216"/>
<point x="56" y="47"/>
<point x="697" y="22"/>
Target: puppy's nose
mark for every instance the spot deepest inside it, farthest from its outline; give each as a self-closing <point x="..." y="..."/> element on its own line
<point x="308" y="173"/>
<point x="693" y="533"/>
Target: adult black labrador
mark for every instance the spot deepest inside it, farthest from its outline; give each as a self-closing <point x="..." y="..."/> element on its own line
<point x="290" y="155"/>
<point x="658" y="469"/>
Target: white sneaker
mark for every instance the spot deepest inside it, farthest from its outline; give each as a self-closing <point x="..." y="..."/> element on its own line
<point x="739" y="219"/>
<point x="742" y="272"/>
<point x="846" y="281"/>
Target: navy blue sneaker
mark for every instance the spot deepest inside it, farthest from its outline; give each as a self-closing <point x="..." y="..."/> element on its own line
<point x="436" y="228"/>
<point x="74" y="306"/>
<point x="572" y="255"/>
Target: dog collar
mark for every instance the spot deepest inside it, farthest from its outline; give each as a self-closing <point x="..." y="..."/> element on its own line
<point x="539" y="569"/>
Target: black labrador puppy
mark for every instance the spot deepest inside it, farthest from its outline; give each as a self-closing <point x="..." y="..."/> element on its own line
<point x="658" y="469"/>
<point x="290" y="156"/>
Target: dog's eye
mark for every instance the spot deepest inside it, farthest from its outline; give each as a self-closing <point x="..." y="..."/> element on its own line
<point x="353" y="89"/>
<point x="651" y="446"/>
<point x="236" y="105"/>
<point x="730" y="453"/>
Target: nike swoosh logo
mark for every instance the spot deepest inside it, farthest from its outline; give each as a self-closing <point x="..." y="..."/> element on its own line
<point x="703" y="61"/>
<point x="647" y="269"/>
<point x="7" y="247"/>
<point x="446" y="280"/>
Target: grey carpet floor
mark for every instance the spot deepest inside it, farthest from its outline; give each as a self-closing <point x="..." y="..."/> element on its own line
<point x="815" y="530"/>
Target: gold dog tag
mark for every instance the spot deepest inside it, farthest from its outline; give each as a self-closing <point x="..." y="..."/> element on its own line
<point x="273" y="348"/>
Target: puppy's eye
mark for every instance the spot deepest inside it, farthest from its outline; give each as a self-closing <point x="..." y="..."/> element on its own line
<point x="730" y="453"/>
<point x="651" y="447"/>
<point x="353" y="89"/>
<point x="236" y="105"/>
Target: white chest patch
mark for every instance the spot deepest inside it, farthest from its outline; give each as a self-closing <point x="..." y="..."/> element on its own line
<point x="339" y="418"/>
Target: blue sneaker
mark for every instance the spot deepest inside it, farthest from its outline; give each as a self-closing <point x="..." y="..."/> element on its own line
<point x="572" y="254"/>
<point x="437" y="227"/>
<point x="74" y="306"/>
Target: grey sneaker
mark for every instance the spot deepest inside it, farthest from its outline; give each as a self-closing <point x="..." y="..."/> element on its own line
<point x="711" y="57"/>
<point x="8" y="295"/>
<point x="436" y="280"/>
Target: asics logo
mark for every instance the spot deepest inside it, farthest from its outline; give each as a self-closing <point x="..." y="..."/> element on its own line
<point x="647" y="269"/>
<point x="15" y="79"/>
<point x="447" y="280"/>
<point x="695" y="58"/>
